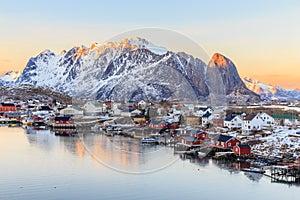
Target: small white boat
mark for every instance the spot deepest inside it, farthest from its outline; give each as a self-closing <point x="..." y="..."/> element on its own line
<point x="148" y="140"/>
<point x="254" y="170"/>
<point x="201" y="154"/>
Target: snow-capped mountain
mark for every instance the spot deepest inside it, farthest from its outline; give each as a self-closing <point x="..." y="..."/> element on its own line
<point x="9" y="77"/>
<point x="131" y="69"/>
<point x="270" y="92"/>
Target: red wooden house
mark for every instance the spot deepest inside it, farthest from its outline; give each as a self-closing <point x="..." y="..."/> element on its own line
<point x="7" y="107"/>
<point x="201" y="135"/>
<point x="63" y="120"/>
<point x="225" y="142"/>
<point x="189" y="141"/>
<point x="242" y="149"/>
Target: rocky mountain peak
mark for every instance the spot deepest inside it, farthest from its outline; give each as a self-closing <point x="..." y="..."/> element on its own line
<point x="218" y="60"/>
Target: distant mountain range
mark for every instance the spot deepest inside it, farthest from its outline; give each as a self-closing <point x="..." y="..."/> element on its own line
<point x="270" y="92"/>
<point x="9" y="77"/>
<point x="134" y="69"/>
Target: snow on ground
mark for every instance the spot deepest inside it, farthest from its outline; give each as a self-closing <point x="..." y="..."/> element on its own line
<point x="281" y="142"/>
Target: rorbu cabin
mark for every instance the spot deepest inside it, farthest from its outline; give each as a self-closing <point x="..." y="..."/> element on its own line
<point x="201" y="135"/>
<point x="225" y="142"/>
<point x="63" y="120"/>
<point x="242" y="149"/>
<point x="7" y="107"/>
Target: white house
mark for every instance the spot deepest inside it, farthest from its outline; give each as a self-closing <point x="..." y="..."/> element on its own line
<point x="233" y="121"/>
<point x="72" y="110"/>
<point x="268" y="120"/>
<point x="200" y="111"/>
<point x="206" y="118"/>
<point x="142" y="104"/>
<point x="252" y="122"/>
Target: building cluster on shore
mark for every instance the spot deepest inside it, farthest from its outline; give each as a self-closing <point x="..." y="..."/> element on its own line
<point x="242" y="131"/>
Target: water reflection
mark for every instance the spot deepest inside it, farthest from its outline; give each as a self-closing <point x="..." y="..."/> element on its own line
<point x="127" y="154"/>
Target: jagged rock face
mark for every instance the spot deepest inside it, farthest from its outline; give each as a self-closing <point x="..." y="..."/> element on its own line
<point x="224" y="78"/>
<point x="130" y="70"/>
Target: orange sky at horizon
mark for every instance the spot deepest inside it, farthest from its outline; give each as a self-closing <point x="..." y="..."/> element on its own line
<point x="262" y="38"/>
<point x="276" y="77"/>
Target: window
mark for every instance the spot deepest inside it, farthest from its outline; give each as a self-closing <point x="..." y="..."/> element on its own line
<point x="229" y="144"/>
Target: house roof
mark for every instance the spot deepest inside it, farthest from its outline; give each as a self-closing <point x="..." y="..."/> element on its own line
<point x="229" y="117"/>
<point x="244" y="146"/>
<point x="45" y="108"/>
<point x="224" y="138"/>
<point x="249" y="117"/>
<point x="189" y="138"/>
<point x="206" y="115"/>
<point x="7" y="104"/>
<point x="62" y="118"/>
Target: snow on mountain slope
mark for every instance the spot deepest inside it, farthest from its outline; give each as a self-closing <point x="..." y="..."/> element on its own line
<point x="271" y="92"/>
<point x="9" y="77"/>
<point x="131" y="69"/>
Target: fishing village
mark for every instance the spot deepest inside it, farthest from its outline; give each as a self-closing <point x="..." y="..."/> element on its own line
<point x="262" y="139"/>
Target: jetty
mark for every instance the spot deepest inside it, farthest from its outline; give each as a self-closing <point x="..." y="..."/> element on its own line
<point x="289" y="174"/>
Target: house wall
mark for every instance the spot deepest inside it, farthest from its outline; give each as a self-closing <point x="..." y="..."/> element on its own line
<point x="255" y="124"/>
<point x="243" y="151"/>
<point x="70" y="111"/>
<point x="268" y="120"/>
<point x="7" y="108"/>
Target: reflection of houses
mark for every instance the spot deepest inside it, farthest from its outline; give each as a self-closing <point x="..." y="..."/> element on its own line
<point x="225" y="142"/>
<point x="242" y="149"/>
<point x="72" y="110"/>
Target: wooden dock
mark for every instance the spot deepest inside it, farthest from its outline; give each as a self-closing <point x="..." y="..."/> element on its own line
<point x="289" y="174"/>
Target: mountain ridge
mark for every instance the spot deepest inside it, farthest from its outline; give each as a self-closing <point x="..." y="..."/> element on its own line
<point x="270" y="92"/>
<point x="133" y="69"/>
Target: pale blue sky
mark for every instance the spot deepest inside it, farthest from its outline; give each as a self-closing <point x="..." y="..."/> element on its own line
<point x="261" y="37"/>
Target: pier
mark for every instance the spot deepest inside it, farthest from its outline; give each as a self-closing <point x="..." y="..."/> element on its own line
<point x="289" y="174"/>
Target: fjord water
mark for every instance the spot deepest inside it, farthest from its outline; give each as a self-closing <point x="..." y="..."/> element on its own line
<point x="40" y="165"/>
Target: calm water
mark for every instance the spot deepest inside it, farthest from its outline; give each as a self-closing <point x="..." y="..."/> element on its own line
<point x="40" y="165"/>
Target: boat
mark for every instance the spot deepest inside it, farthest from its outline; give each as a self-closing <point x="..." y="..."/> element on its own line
<point x="254" y="170"/>
<point x="148" y="140"/>
<point x="27" y="121"/>
<point x="201" y="154"/>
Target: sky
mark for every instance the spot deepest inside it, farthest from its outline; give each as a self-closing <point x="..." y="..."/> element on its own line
<point x="261" y="37"/>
